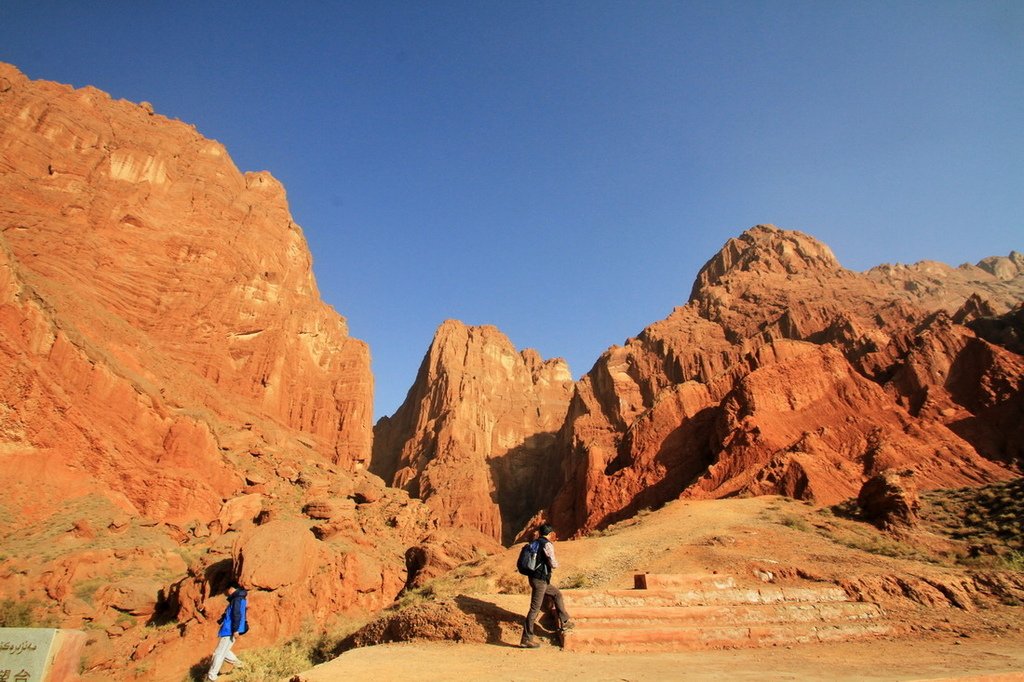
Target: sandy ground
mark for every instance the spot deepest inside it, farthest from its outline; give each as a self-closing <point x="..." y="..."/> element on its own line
<point x="992" y="659"/>
<point x="730" y="537"/>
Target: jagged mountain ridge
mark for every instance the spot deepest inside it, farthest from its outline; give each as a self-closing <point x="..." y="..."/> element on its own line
<point x="783" y="373"/>
<point x="703" y="377"/>
<point x="475" y="429"/>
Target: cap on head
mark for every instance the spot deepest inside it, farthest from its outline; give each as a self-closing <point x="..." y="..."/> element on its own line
<point x="546" y="529"/>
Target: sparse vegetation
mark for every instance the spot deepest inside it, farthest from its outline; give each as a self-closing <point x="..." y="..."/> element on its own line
<point x="15" y="614"/>
<point x="274" y="663"/>
<point x="877" y="543"/>
<point x="986" y="515"/>
<point x="578" y="581"/>
<point x="25" y="614"/>
<point x="511" y="583"/>
<point x="410" y="597"/>
<point x="1015" y="561"/>
<point x="86" y="589"/>
<point x="980" y="527"/>
<point x="795" y="522"/>
<point x="300" y="653"/>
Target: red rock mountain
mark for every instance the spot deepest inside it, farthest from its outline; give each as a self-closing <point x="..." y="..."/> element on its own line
<point x="178" y="406"/>
<point x="476" y="430"/>
<point x="176" y="402"/>
<point x="786" y="373"/>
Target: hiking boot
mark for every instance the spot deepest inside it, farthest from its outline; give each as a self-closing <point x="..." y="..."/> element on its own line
<point x="529" y="644"/>
<point x="568" y="625"/>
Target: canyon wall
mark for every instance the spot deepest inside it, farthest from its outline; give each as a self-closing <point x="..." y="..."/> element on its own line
<point x="188" y="276"/>
<point x="786" y="373"/>
<point x="177" y="405"/>
<point x="476" y="430"/>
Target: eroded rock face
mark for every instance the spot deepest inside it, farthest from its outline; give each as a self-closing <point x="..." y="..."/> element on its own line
<point x="815" y="412"/>
<point x="173" y="392"/>
<point x="889" y="499"/>
<point x="786" y="373"/>
<point x="474" y="436"/>
<point x="149" y="274"/>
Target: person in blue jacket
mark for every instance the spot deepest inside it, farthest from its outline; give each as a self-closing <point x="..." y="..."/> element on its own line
<point x="232" y="624"/>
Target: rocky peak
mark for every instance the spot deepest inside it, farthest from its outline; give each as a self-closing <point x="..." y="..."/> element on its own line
<point x="651" y="416"/>
<point x="1004" y="267"/>
<point x="475" y="428"/>
<point x="765" y="249"/>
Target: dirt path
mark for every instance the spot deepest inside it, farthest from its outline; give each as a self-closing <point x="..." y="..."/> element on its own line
<point x="736" y="538"/>
<point x="992" y="660"/>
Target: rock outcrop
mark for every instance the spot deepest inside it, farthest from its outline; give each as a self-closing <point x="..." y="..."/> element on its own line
<point x="475" y="434"/>
<point x="786" y="373"/>
<point x="173" y="393"/>
<point x="155" y="276"/>
<point x="889" y="499"/>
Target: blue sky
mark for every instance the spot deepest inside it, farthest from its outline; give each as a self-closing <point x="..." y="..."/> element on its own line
<point x="562" y="170"/>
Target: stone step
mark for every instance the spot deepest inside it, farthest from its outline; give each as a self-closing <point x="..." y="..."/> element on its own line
<point x="731" y="614"/>
<point x="693" y="611"/>
<point x="690" y="581"/>
<point x="683" y="638"/>
<point x="766" y="594"/>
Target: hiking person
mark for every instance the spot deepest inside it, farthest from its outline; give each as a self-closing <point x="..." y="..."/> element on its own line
<point x="232" y="624"/>
<point x="541" y="587"/>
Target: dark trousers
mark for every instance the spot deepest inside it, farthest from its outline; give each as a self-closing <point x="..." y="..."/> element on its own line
<point x="539" y="590"/>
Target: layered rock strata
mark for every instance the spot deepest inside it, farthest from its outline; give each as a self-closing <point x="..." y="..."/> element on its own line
<point x="170" y="271"/>
<point x="786" y="373"/>
<point x="177" y="405"/>
<point x="475" y="434"/>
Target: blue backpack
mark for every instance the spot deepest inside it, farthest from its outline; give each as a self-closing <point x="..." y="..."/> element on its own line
<point x="529" y="558"/>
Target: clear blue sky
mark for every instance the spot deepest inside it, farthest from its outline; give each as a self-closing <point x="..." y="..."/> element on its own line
<point x="563" y="169"/>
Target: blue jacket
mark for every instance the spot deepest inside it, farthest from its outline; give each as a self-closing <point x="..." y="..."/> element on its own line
<point x="233" y="621"/>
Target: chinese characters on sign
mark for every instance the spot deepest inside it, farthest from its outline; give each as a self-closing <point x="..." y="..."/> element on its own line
<point x="22" y="676"/>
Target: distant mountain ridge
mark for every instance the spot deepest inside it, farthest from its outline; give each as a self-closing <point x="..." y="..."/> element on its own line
<point x="784" y="373"/>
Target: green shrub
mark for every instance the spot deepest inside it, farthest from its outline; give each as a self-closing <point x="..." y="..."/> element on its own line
<point x="795" y="522"/>
<point x="1014" y="561"/>
<point x="15" y="614"/>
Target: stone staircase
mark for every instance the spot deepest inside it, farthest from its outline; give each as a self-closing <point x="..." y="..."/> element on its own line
<point x="683" y="612"/>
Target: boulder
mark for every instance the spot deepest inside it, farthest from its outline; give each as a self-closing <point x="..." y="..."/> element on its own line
<point x="137" y="597"/>
<point x="240" y="510"/>
<point x="275" y="555"/>
<point x="889" y="499"/>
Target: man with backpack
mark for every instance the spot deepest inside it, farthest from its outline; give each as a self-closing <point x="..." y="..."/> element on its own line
<point x="232" y="624"/>
<point x="537" y="561"/>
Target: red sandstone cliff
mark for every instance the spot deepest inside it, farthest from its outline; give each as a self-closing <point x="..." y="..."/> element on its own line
<point x="786" y="373"/>
<point x="476" y="430"/>
<point x="176" y="403"/>
<point x="189" y="275"/>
